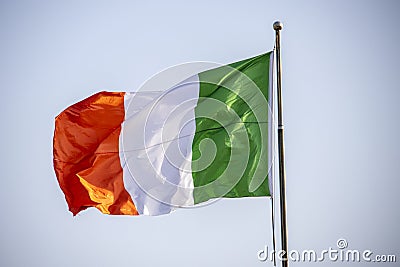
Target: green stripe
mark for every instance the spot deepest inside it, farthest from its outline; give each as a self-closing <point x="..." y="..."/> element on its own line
<point x="231" y="124"/>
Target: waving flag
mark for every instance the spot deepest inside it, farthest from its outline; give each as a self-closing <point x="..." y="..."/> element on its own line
<point x="151" y="152"/>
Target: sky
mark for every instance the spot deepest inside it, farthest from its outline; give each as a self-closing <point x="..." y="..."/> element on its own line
<point x="341" y="113"/>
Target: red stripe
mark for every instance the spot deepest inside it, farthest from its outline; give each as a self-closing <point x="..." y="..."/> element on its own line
<point x="86" y="155"/>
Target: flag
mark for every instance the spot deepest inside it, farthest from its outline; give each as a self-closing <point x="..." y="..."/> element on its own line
<point x="150" y="152"/>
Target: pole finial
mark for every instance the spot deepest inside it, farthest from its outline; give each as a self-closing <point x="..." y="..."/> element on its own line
<point x="278" y="25"/>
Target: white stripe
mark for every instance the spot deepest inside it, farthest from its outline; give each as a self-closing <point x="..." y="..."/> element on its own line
<point x="156" y="163"/>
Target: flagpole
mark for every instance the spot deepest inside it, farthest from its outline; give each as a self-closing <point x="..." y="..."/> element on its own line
<point x="281" y="150"/>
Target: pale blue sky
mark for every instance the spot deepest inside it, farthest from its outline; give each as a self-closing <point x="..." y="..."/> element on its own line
<point x="341" y="112"/>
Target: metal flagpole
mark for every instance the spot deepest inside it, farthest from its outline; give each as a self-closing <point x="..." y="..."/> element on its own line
<point x="281" y="151"/>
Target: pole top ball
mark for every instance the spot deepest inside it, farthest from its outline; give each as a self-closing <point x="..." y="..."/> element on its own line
<point x="278" y="25"/>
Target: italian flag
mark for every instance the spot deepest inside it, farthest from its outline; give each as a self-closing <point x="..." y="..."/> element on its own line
<point x="152" y="152"/>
